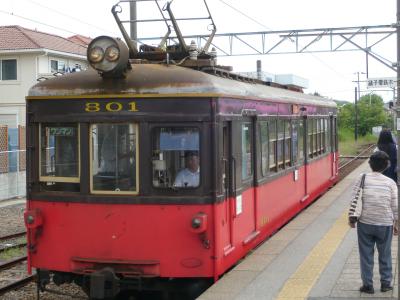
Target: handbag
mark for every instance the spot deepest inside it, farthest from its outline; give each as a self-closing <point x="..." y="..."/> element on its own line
<point x="356" y="203"/>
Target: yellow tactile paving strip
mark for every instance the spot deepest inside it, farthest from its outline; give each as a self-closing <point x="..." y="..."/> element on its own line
<point x="299" y="285"/>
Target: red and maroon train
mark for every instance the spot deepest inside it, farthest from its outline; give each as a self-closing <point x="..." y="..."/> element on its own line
<point x="105" y="147"/>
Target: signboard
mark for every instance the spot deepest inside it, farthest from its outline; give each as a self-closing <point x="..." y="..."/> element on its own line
<point x="383" y="82"/>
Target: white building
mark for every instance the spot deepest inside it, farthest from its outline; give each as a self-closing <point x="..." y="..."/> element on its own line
<point x="27" y="56"/>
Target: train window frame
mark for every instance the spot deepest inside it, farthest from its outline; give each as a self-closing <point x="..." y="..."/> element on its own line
<point x="137" y="150"/>
<point x="273" y="145"/>
<point x="328" y="134"/>
<point x="250" y="172"/>
<point x="59" y="179"/>
<point x="309" y="137"/>
<point x="296" y="152"/>
<point x="301" y="140"/>
<point x="280" y="152"/>
<point x="264" y="151"/>
<point x="288" y="147"/>
<point x="199" y="129"/>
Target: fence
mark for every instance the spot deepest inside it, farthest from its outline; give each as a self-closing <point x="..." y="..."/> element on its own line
<point x="12" y="162"/>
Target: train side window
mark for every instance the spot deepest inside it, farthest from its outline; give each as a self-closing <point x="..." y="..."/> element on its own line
<point x="310" y="141"/>
<point x="247" y="161"/>
<point x="272" y="145"/>
<point x="264" y="147"/>
<point x="281" y="143"/>
<point x="315" y="137"/>
<point x="335" y="137"/>
<point x="301" y="139"/>
<point x="288" y="142"/>
<point x="296" y="139"/>
<point x="328" y="135"/>
<point x="113" y="151"/>
<point x="59" y="157"/>
<point x="176" y="157"/>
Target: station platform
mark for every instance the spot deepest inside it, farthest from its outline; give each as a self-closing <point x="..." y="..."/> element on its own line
<point x="315" y="256"/>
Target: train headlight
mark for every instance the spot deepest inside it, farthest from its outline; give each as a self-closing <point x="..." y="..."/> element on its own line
<point x="109" y="56"/>
<point x="95" y="55"/>
<point x="112" y="53"/>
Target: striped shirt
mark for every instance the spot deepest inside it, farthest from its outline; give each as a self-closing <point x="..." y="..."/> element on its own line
<point x="379" y="200"/>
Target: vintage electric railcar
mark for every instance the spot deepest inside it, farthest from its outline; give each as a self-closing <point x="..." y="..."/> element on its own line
<point x="105" y="147"/>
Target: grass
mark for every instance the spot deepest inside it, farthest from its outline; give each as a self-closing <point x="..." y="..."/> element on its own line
<point x="347" y="144"/>
<point x="12" y="253"/>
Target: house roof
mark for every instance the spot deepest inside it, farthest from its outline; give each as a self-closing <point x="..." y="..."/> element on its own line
<point x="15" y="37"/>
<point x="80" y="39"/>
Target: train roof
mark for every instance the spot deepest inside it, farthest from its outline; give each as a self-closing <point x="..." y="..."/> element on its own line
<point x="160" y="80"/>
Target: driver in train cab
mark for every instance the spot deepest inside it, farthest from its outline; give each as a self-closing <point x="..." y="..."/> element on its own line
<point x="190" y="175"/>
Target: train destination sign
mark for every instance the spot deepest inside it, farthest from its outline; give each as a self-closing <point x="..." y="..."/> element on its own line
<point x="383" y="82"/>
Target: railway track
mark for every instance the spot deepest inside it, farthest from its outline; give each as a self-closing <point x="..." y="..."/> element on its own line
<point x="15" y="283"/>
<point x="348" y="163"/>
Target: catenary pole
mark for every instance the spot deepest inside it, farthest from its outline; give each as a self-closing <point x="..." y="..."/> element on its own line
<point x="133" y="25"/>
<point x="356" y="114"/>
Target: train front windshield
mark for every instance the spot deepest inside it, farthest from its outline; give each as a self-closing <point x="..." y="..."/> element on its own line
<point x="113" y="158"/>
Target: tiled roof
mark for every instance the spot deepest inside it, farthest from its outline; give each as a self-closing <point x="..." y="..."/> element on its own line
<point x="18" y="38"/>
<point x="80" y="39"/>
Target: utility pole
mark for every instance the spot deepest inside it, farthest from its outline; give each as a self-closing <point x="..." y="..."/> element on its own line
<point x="356" y="113"/>
<point x="356" y="98"/>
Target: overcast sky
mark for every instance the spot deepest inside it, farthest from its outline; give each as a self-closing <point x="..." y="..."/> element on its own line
<point x="330" y="74"/>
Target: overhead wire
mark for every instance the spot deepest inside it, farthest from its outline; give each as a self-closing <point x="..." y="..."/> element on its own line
<point x="259" y="23"/>
<point x="36" y="21"/>
<point x="69" y="16"/>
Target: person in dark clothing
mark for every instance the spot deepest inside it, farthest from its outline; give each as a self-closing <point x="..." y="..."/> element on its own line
<point x="387" y="144"/>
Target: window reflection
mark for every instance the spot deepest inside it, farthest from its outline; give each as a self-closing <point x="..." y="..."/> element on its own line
<point x="247" y="166"/>
<point x="59" y="157"/>
<point x="176" y="157"/>
<point x="114" y="157"/>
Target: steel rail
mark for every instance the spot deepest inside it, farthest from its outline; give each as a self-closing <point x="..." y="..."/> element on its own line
<point x="360" y="155"/>
<point x="11" y="263"/>
<point x="17" y="284"/>
<point x="11" y="236"/>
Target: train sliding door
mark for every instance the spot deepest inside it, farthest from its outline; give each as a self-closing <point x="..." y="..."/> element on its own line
<point x="244" y="201"/>
<point x="227" y="176"/>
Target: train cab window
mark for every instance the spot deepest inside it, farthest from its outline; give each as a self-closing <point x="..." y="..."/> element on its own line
<point x="114" y="158"/>
<point x="247" y="162"/>
<point x="264" y="147"/>
<point x="272" y="145"/>
<point x="176" y="157"/>
<point x="59" y="157"/>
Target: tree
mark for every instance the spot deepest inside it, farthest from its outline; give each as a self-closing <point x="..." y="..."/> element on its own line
<point x="371" y="113"/>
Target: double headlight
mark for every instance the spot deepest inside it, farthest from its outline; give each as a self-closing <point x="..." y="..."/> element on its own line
<point x="108" y="55"/>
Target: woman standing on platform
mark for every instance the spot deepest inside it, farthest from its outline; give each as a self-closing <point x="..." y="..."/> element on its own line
<point x="387" y="144"/>
<point x="377" y="223"/>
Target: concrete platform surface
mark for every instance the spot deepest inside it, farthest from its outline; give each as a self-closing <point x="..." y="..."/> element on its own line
<point x="315" y="256"/>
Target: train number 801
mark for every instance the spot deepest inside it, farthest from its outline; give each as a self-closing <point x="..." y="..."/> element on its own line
<point x="110" y="106"/>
